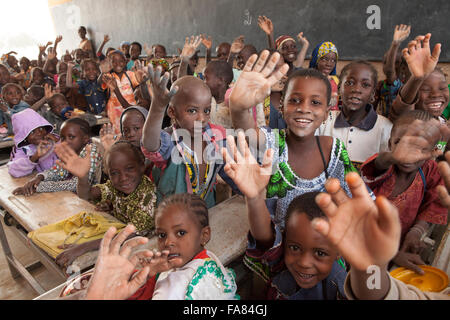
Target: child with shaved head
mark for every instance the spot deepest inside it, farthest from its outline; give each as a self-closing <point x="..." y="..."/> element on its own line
<point x="186" y="155"/>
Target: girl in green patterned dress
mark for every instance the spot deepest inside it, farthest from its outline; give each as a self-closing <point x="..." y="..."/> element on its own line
<point x="302" y="161"/>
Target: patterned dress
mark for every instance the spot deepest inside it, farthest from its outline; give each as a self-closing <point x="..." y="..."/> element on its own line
<point x="285" y="185"/>
<point x="137" y="208"/>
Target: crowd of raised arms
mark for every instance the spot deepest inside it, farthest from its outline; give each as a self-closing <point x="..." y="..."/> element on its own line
<point x="348" y="172"/>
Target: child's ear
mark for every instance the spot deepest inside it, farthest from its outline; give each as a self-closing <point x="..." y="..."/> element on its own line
<point x="171" y="112"/>
<point x="205" y="235"/>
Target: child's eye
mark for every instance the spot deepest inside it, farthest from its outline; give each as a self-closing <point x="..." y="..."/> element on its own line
<point x="293" y="247"/>
<point x="181" y="233"/>
<point x="366" y="85"/>
<point x="316" y="102"/>
<point x="193" y="111"/>
<point x="207" y="111"/>
<point x="294" y="100"/>
<point x="349" y="83"/>
<point x="321" y="253"/>
<point x="426" y="89"/>
<point x="161" y="235"/>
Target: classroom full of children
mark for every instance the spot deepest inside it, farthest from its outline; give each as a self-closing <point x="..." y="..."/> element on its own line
<point x="343" y="172"/>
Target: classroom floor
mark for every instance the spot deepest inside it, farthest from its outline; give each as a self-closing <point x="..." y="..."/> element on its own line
<point x="19" y="289"/>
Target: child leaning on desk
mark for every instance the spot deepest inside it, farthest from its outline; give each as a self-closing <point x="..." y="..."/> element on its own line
<point x="129" y="194"/>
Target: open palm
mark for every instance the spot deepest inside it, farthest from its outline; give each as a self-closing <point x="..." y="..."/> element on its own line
<point x="256" y="79"/>
<point x="366" y="233"/>
<point x="72" y="162"/>
<point x="421" y="61"/>
<point x="250" y="177"/>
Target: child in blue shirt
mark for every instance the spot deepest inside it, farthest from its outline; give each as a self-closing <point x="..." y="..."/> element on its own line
<point x="12" y="95"/>
<point x="89" y="87"/>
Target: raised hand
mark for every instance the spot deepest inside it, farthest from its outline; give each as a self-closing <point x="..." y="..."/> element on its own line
<point x="302" y="39"/>
<point x="148" y="50"/>
<point x="105" y="66"/>
<point x="418" y="143"/>
<point x="244" y="170"/>
<point x="161" y="95"/>
<point x="237" y="45"/>
<point x="256" y="79"/>
<point x="157" y="263"/>
<point x="58" y="40"/>
<point x="72" y="162"/>
<point x="265" y="24"/>
<point x="207" y="42"/>
<point x="365" y="232"/>
<point x="108" y="136"/>
<point x="115" y="266"/>
<point x="48" y="91"/>
<point x="110" y="81"/>
<point x="190" y="47"/>
<point x="44" y="147"/>
<point x="421" y="61"/>
<point x="106" y="38"/>
<point x="401" y="32"/>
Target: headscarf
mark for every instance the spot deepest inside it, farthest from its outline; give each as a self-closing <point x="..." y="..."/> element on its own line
<point x="321" y="50"/>
<point x="160" y="62"/>
<point x="282" y="39"/>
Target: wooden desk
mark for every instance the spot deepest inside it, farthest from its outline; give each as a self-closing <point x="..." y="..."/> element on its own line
<point x="229" y="226"/>
<point x="32" y="213"/>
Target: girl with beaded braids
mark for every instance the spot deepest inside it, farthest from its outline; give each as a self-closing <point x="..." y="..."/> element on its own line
<point x="189" y="271"/>
<point x="129" y="193"/>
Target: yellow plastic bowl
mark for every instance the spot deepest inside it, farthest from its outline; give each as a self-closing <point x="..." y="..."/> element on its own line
<point x="434" y="280"/>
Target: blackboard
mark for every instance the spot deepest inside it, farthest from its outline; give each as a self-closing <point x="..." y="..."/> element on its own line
<point x="344" y="22"/>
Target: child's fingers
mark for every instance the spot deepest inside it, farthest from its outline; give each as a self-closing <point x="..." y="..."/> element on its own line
<point x="321" y="225"/>
<point x="426" y="41"/>
<point x="357" y="186"/>
<point x="444" y="197"/>
<point x="436" y="52"/>
<point x="267" y="162"/>
<point x="412" y="264"/>
<point x="326" y="204"/>
<point x="444" y="170"/>
<point x="336" y="192"/>
<point x="243" y="147"/>
<point x="387" y="220"/>
<point x="234" y="150"/>
<point x="173" y="91"/>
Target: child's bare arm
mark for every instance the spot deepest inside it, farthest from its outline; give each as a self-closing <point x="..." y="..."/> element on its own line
<point x="160" y="99"/>
<point x="102" y="45"/>
<point x="207" y="42"/>
<point x="235" y="48"/>
<point x="51" y="60"/>
<point x="366" y="233"/>
<point x="302" y="54"/>
<point x="421" y="62"/>
<point x="69" y="81"/>
<point x="79" y="167"/>
<point x="251" y="179"/>
<point x="401" y="32"/>
<point x="189" y="49"/>
<point x="253" y="86"/>
<point x="266" y="25"/>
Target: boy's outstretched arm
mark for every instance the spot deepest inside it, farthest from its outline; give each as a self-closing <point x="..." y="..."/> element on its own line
<point x="235" y="48"/>
<point x="366" y="233"/>
<point x="298" y="63"/>
<point x="251" y="179"/>
<point x="207" y="42"/>
<point x="266" y="25"/>
<point x="401" y="32"/>
<point x="253" y="86"/>
<point x="161" y="96"/>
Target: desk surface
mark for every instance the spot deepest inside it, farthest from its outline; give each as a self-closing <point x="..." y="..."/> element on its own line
<point x="40" y="209"/>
